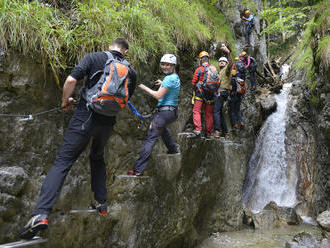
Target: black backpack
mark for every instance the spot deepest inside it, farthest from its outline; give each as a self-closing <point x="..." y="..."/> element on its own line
<point x="240" y="67"/>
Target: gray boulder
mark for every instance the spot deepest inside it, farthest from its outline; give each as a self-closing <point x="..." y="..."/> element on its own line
<point x="324" y="220"/>
<point x="273" y="216"/>
<point x="307" y="240"/>
<point x="12" y="180"/>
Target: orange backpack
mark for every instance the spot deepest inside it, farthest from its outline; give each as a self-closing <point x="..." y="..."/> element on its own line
<point x="110" y="94"/>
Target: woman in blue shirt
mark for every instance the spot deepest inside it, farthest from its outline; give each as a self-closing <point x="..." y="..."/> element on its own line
<point x="167" y="112"/>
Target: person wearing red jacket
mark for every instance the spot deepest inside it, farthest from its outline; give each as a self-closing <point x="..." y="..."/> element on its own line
<point x="202" y="98"/>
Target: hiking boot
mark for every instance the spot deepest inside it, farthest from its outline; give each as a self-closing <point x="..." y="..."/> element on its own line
<point x="209" y="136"/>
<point x="134" y="173"/>
<point x="235" y="126"/>
<point x="102" y="208"/>
<point x="216" y="134"/>
<point x="196" y="132"/>
<point x="176" y="151"/>
<point x="242" y="124"/>
<point x="35" y="224"/>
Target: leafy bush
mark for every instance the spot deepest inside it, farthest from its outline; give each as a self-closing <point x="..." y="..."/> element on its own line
<point x="315" y="45"/>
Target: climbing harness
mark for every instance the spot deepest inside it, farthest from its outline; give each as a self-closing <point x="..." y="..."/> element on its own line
<point x="200" y="99"/>
<point x="141" y="117"/>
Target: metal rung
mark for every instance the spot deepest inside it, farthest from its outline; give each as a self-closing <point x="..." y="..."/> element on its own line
<point x="78" y="211"/>
<point x="128" y="176"/>
<point x="25" y="242"/>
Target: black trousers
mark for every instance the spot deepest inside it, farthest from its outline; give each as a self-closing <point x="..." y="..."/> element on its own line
<point x="218" y="117"/>
<point x="84" y="126"/>
<point x="158" y="128"/>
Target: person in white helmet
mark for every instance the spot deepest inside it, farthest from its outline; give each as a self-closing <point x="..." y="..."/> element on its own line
<point x="222" y="95"/>
<point x="167" y="112"/>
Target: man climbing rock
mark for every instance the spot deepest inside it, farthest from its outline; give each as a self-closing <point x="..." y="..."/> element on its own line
<point x="248" y="20"/>
<point x="202" y="97"/>
<point x="85" y="125"/>
<point x="251" y="66"/>
<point x="222" y="94"/>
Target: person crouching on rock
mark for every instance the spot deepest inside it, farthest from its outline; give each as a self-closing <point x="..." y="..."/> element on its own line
<point x="167" y="112"/>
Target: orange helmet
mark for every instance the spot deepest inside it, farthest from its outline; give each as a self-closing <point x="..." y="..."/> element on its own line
<point x="233" y="72"/>
<point x="247" y="12"/>
<point x="203" y="54"/>
<point x="243" y="54"/>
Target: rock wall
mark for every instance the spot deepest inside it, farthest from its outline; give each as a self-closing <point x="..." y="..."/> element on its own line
<point x="232" y="11"/>
<point x="308" y="146"/>
<point x="183" y="199"/>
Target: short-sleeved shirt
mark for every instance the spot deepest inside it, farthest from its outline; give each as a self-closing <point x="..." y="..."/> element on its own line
<point x="172" y="83"/>
<point x="251" y="18"/>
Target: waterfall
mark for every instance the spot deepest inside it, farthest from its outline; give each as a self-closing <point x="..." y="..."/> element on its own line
<point x="268" y="177"/>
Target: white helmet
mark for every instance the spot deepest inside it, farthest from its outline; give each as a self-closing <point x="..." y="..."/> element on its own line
<point x="223" y="59"/>
<point x="168" y="58"/>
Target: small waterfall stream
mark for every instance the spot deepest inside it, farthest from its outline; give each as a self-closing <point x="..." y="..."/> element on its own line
<point x="268" y="177"/>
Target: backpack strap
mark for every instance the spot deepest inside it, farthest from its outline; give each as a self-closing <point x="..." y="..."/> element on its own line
<point x="204" y="73"/>
<point x="110" y="57"/>
<point x="109" y="54"/>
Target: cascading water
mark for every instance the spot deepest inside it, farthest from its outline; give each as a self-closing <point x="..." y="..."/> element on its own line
<point x="268" y="177"/>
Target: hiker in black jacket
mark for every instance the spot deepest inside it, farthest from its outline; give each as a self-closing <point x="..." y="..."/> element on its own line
<point x="84" y="126"/>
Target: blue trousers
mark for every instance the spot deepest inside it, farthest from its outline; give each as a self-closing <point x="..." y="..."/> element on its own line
<point x="218" y="118"/>
<point x="248" y="30"/>
<point x="235" y="109"/>
<point x="84" y="126"/>
<point x="158" y="128"/>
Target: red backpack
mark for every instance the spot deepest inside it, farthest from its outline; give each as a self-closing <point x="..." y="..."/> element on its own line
<point x="240" y="86"/>
<point x="211" y="81"/>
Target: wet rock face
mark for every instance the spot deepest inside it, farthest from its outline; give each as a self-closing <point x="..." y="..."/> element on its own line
<point x="272" y="216"/>
<point x="268" y="104"/>
<point x="307" y="148"/>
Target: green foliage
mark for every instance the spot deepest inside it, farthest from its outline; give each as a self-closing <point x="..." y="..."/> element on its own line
<point x="208" y="14"/>
<point x="282" y="17"/>
<point x="62" y="36"/>
<point x="315" y="45"/>
<point x="323" y="51"/>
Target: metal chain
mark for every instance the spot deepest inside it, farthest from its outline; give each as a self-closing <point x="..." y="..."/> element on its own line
<point x="30" y="116"/>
